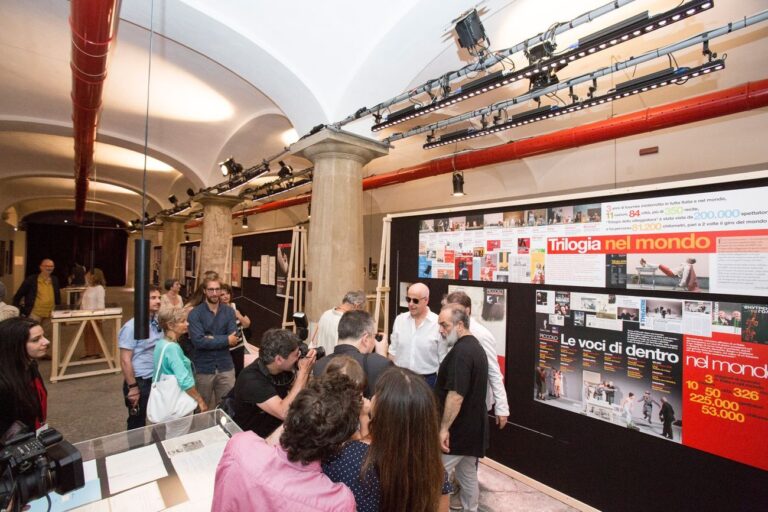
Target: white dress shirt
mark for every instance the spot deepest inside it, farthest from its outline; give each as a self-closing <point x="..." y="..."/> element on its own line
<point x="414" y="347"/>
<point x="327" y="334"/>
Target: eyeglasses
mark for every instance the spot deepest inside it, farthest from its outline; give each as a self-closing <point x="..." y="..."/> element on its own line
<point x="213" y="289"/>
<point x="414" y="300"/>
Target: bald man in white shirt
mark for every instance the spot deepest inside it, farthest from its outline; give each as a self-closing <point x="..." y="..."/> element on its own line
<point x="415" y="336"/>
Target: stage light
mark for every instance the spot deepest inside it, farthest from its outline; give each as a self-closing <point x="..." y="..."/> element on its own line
<point x="172" y="199"/>
<point x="190" y="192"/>
<point x="286" y="171"/>
<point x="639" y="85"/>
<point x="245" y="221"/>
<point x="229" y="167"/>
<point x="621" y="32"/>
<point x="458" y="184"/>
<point x="469" y="30"/>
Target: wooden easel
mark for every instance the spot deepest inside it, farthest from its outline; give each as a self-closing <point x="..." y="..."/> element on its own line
<point x="382" y="284"/>
<point x="296" y="278"/>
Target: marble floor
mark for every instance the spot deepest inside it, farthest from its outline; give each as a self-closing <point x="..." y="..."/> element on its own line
<point x="502" y="493"/>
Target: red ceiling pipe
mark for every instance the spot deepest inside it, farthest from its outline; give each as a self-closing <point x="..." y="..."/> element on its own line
<point x="737" y="99"/>
<point x="274" y="205"/>
<point x="94" y="26"/>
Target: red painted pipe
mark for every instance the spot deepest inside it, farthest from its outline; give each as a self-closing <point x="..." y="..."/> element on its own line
<point x="94" y="25"/>
<point x="737" y="99"/>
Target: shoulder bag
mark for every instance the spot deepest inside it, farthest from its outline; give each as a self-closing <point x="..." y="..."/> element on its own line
<point x="167" y="401"/>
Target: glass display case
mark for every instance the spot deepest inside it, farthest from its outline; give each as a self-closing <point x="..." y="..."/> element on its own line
<point x="168" y="466"/>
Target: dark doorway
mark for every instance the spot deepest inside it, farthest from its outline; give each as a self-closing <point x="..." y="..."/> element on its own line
<point x="100" y="242"/>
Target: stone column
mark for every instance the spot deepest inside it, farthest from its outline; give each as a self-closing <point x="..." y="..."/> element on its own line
<point x="173" y="235"/>
<point x="335" y="249"/>
<point x="217" y="232"/>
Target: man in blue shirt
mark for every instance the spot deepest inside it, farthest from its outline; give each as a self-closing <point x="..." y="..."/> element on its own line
<point x="136" y="361"/>
<point x="212" y="330"/>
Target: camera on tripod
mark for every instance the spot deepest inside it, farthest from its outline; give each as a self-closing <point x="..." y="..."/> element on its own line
<point x="302" y="331"/>
<point x="34" y="466"/>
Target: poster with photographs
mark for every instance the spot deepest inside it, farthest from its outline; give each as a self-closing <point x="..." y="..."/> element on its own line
<point x="709" y="242"/>
<point x="692" y="372"/>
<point x="281" y="277"/>
<point x="489" y="310"/>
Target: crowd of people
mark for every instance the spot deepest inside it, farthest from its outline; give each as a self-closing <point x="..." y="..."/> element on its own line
<point x="375" y="425"/>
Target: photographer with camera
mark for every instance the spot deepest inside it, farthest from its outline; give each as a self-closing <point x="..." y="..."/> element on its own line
<point x="357" y="339"/>
<point x="23" y="395"/>
<point x="265" y="389"/>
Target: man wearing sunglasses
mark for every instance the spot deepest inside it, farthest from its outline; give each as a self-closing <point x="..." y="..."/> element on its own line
<point x="212" y="330"/>
<point x="415" y="336"/>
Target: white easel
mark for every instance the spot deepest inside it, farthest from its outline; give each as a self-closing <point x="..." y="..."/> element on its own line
<point x="296" y="278"/>
<point x="382" y="284"/>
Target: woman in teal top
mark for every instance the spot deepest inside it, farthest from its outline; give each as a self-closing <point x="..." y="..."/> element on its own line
<point x="173" y="322"/>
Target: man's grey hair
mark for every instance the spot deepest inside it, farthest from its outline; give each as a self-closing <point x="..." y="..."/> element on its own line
<point x="458" y="314"/>
<point x="354" y="324"/>
<point x="356" y="298"/>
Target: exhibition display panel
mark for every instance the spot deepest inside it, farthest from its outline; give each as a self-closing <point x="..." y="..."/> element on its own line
<point x="635" y="334"/>
<point x="160" y="467"/>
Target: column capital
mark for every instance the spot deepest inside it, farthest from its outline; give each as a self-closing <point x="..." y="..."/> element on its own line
<point x="339" y="144"/>
<point x="207" y="199"/>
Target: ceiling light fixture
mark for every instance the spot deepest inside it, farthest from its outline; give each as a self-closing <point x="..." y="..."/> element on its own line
<point x="589" y="45"/>
<point x="190" y="192"/>
<point x="173" y="200"/>
<point x="458" y="184"/>
<point x="639" y="85"/>
<point x="229" y="167"/>
<point x="245" y="220"/>
<point x="286" y="171"/>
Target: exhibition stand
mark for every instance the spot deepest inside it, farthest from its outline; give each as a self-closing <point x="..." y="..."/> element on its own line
<point x="81" y="318"/>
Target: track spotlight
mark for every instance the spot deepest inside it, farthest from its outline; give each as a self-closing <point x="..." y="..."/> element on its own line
<point x="539" y="71"/>
<point x="172" y="199"/>
<point x="458" y="184"/>
<point x="639" y="85"/>
<point x="245" y="221"/>
<point x="229" y="167"/>
<point x="190" y="192"/>
<point x="286" y="171"/>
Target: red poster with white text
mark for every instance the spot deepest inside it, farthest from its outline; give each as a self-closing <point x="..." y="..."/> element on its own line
<point x="725" y="397"/>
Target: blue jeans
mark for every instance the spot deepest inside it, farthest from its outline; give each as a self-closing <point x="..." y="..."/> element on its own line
<point x="139" y="419"/>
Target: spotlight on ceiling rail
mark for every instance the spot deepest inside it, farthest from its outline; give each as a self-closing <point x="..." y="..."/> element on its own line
<point x="639" y="85"/>
<point x="229" y="167"/>
<point x="547" y="65"/>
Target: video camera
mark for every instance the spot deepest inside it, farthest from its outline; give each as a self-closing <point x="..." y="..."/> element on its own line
<point x="34" y="466"/>
<point x="302" y="331"/>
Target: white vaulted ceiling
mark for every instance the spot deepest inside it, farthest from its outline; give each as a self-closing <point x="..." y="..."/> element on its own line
<point x="244" y="78"/>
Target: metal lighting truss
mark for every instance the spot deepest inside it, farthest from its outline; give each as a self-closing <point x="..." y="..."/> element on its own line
<point x="486" y="63"/>
<point x="639" y="85"/>
<point x="702" y="38"/>
<point x="621" y="32"/>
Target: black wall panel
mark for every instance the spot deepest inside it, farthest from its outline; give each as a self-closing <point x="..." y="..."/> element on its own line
<point x="605" y="466"/>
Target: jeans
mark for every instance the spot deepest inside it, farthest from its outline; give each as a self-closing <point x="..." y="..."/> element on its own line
<point x="139" y="419"/>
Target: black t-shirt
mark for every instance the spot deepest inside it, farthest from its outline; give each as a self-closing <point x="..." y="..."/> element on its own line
<point x="373" y="364"/>
<point x="465" y="371"/>
<point x="253" y="387"/>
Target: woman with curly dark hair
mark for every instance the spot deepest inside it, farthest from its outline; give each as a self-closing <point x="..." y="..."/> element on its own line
<point x="23" y="395"/>
<point x="398" y="466"/>
<point x="255" y="476"/>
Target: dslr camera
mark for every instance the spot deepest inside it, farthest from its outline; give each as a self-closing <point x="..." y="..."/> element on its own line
<point x="302" y="331"/>
<point x="31" y="467"/>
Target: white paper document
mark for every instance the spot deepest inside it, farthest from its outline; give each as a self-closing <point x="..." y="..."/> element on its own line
<point x="134" y="467"/>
